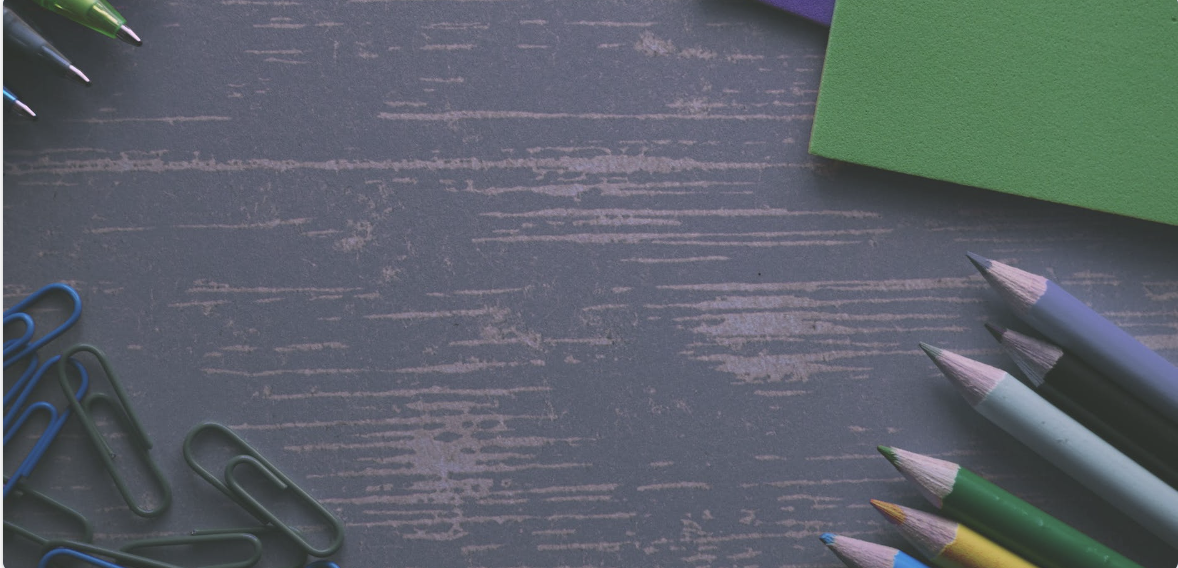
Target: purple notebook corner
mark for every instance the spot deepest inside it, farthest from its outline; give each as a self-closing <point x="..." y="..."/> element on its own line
<point x="818" y="10"/>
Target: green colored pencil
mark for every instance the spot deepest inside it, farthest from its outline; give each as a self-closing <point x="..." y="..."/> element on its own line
<point x="1004" y="518"/>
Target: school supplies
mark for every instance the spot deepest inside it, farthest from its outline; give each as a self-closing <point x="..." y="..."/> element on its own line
<point x="1061" y="440"/>
<point x="1007" y="520"/>
<point x="862" y="554"/>
<point x="82" y="400"/>
<point x="19" y="34"/>
<point x="1074" y="326"/>
<point x="11" y="345"/>
<point x="15" y="418"/>
<point x="946" y="543"/>
<point x="129" y="422"/>
<point x="1113" y="414"/>
<point x="14" y="105"/>
<point x="1057" y="101"/>
<point x="89" y="560"/>
<point x="125" y="559"/>
<point x="24" y="492"/>
<point x="259" y="531"/>
<point x="218" y="540"/>
<point x="230" y="487"/>
<point x="31" y="299"/>
<point x="97" y="15"/>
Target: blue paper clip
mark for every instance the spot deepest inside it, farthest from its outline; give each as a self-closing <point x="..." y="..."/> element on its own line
<point x="11" y="345"/>
<point x="323" y="564"/>
<point x="92" y="561"/>
<point x="31" y="370"/>
<point x="56" y="422"/>
<point x="20" y="307"/>
<point x="34" y="455"/>
<point x="31" y="383"/>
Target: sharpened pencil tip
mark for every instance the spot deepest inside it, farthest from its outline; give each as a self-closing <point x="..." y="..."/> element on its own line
<point x="893" y="513"/>
<point x="980" y="262"/>
<point x="22" y="110"/>
<point x="77" y="75"/>
<point x="128" y="35"/>
<point x="932" y="352"/>
<point x="887" y="452"/>
<point x="995" y="330"/>
<point x="827" y="538"/>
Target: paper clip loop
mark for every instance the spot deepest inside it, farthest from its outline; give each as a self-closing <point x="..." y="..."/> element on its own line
<point x="11" y="345"/>
<point x="232" y="489"/>
<point x="23" y="491"/>
<point x="34" y="455"/>
<point x="20" y="307"/>
<point x="89" y="551"/>
<point x="125" y="415"/>
<point x="191" y="540"/>
<point x="323" y="564"/>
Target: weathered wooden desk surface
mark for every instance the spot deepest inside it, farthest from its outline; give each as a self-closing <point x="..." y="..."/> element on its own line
<point x="528" y="283"/>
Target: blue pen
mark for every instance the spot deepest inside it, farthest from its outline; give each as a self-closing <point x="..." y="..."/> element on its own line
<point x="13" y="104"/>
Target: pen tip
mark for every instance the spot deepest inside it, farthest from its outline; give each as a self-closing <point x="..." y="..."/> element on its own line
<point x="127" y="35"/>
<point x="77" y="75"/>
<point x="22" y="110"/>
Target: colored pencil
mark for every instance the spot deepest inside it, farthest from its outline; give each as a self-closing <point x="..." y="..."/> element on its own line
<point x="947" y="543"/>
<point x="1094" y="401"/>
<point x="1074" y="326"/>
<point x="1064" y="442"/>
<point x="1002" y="517"/>
<point x="857" y="553"/>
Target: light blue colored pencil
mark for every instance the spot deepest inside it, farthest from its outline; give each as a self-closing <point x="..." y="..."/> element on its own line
<point x="1059" y="439"/>
<point x="1075" y="327"/>
<point x="862" y="554"/>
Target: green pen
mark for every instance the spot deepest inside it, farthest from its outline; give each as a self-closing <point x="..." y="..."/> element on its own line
<point x="97" y="15"/>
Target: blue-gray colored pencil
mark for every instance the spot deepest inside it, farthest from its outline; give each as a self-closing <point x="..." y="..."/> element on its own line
<point x="1076" y="327"/>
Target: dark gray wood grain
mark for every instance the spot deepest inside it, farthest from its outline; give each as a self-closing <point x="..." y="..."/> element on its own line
<point x="527" y="283"/>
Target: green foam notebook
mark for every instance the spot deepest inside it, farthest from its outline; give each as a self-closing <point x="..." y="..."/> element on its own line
<point x="1074" y="102"/>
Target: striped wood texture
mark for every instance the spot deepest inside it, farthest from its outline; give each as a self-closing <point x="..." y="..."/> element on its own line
<point x="528" y="283"/>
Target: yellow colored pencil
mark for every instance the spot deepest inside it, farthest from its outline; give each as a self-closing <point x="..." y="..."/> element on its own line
<point x="946" y="543"/>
